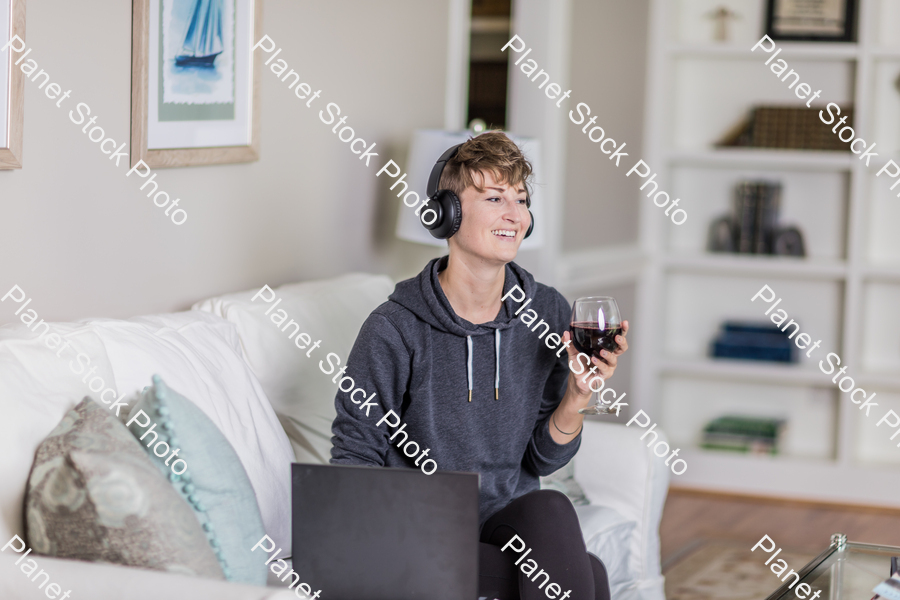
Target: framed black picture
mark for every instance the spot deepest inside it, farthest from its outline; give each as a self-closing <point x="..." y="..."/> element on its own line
<point x="812" y="20"/>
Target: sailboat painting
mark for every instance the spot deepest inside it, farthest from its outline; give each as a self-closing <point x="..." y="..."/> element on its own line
<point x="198" y="51"/>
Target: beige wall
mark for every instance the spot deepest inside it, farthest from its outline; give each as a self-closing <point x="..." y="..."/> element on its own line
<point x="82" y="240"/>
<point x="608" y="67"/>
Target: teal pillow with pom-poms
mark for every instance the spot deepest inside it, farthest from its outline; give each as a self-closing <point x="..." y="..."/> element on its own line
<point x="211" y="477"/>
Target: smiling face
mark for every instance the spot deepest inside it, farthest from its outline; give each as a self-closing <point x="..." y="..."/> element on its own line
<point x="494" y="220"/>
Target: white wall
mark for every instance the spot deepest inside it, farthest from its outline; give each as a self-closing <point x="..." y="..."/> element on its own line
<point x="82" y="240"/>
<point x="608" y="67"/>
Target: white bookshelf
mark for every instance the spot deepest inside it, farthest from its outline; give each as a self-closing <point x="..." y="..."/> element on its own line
<point x="845" y="292"/>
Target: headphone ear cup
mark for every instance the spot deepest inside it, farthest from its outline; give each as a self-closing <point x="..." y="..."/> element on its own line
<point x="455" y="213"/>
<point x="448" y="209"/>
<point x="530" y="225"/>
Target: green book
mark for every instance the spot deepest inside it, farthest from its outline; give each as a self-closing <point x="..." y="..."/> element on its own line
<point x="743" y="434"/>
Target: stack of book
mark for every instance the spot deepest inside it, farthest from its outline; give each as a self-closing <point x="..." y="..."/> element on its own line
<point x="753" y="435"/>
<point x="756" y="205"/>
<point x="789" y="128"/>
<point x="753" y="341"/>
<point x="753" y="227"/>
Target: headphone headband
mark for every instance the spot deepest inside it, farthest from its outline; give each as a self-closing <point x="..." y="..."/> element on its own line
<point x="438" y="169"/>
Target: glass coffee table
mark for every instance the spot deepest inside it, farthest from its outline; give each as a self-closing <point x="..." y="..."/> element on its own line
<point x="845" y="571"/>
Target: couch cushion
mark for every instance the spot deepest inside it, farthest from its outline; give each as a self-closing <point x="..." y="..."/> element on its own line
<point x="38" y="386"/>
<point x="634" y="485"/>
<point x="211" y="479"/>
<point x="99" y="581"/>
<point x="200" y="355"/>
<point x="607" y="535"/>
<point x="94" y="495"/>
<point x="331" y="311"/>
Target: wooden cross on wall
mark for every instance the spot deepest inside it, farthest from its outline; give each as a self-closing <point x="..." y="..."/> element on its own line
<point x="721" y="16"/>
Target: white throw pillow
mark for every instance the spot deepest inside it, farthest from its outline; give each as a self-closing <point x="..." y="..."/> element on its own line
<point x="331" y="311"/>
<point x="200" y="356"/>
<point x="37" y="388"/>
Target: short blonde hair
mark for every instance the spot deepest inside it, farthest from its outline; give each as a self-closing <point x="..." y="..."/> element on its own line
<point x="492" y="152"/>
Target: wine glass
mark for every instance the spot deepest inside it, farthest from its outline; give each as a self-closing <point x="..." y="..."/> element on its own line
<point x="595" y="325"/>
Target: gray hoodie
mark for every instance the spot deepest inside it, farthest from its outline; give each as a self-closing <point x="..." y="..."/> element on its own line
<point x="422" y="359"/>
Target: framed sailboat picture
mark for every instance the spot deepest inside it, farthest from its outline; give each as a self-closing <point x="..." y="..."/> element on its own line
<point x="12" y="85"/>
<point x="195" y="82"/>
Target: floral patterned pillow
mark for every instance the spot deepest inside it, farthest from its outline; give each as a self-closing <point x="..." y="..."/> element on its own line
<point x="94" y="495"/>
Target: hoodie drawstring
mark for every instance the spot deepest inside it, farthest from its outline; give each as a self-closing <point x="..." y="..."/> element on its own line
<point x="496" y="367"/>
<point x="469" y="363"/>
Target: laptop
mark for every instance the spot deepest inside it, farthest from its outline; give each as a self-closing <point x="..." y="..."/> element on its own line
<point x="369" y="533"/>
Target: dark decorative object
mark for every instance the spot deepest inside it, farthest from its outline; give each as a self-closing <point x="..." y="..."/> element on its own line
<point x="753" y="341"/>
<point x="721" y="236"/>
<point x="802" y="20"/>
<point x="753" y="226"/>
<point x="787" y="128"/>
<point x="789" y="242"/>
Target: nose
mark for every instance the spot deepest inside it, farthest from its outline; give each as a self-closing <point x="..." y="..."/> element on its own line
<point x="512" y="212"/>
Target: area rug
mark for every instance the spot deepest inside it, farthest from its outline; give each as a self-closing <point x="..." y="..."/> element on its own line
<point x="725" y="570"/>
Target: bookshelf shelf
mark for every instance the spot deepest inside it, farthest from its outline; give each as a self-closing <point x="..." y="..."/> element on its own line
<point x="886" y="53"/>
<point x="888" y="381"/>
<point x="890" y="273"/>
<point x="757" y="265"/>
<point x="736" y="370"/>
<point x="800" y="51"/>
<point x="764" y="158"/>
<point x="846" y="291"/>
<point x="790" y="477"/>
<point x="740" y="458"/>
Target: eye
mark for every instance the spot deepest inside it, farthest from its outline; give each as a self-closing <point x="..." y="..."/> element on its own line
<point x="495" y="199"/>
<point x="522" y="201"/>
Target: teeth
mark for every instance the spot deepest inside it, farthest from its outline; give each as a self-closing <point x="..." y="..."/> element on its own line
<point x="504" y="232"/>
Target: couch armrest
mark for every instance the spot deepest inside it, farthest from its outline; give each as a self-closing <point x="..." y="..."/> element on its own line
<point x="97" y="581"/>
<point x="616" y="469"/>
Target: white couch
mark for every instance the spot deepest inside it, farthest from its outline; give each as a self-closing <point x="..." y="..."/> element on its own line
<point x="239" y="367"/>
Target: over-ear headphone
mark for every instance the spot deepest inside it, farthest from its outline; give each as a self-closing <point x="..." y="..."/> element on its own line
<point x="444" y="205"/>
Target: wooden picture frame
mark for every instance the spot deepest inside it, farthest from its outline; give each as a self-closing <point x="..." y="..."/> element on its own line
<point x="836" y="23"/>
<point x="145" y="115"/>
<point x="12" y="87"/>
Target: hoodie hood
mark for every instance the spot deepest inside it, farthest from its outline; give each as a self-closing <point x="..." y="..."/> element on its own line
<point x="423" y="296"/>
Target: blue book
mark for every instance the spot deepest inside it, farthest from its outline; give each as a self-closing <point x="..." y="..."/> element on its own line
<point x="748" y="327"/>
<point x="752" y="341"/>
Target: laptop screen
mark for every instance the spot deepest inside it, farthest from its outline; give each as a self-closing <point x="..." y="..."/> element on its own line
<point x="366" y="533"/>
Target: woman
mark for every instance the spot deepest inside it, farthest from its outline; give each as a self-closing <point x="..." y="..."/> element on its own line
<point x="476" y="387"/>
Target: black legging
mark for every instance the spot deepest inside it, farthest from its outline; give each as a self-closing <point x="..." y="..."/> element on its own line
<point x="546" y="521"/>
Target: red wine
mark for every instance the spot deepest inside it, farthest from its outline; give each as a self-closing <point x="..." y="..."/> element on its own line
<point x="591" y="339"/>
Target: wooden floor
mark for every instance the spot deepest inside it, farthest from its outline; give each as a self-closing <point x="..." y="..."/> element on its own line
<point x="690" y="517"/>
